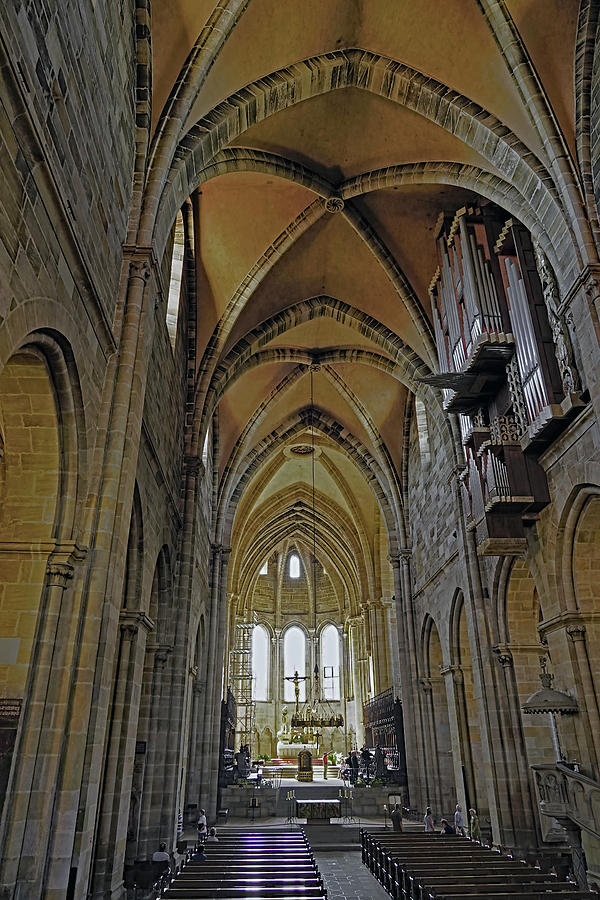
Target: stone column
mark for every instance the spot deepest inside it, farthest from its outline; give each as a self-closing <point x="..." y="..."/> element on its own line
<point x="276" y="682"/>
<point x="213" y="718"/>
<point x="379" y="645"/>
<point x="116" y="788"/>
<point x="433" y="790"/>
<point x="357" y="679"/>
<point x="414" y="728"/>
<point x="576" y="633"/>
<point x="459" y="737"/>
<point x="518" y="778"/>
<point x="193" y="779"/>
<point x="152" y="791"/>
<point x="391" y="627"/>
<point x="39" y="754"/>
<point x="106" y="526"/>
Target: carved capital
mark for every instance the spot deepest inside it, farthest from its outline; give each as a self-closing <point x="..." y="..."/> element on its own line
<point x="576" y="632"/>
<point x="140" y="269"/>
<point x="142" y="260"/>
<point x="136" y="619"/>
<point x="425" y="685"/>
<point x="454" y="671"/>
<point x="194" y="671"/>
<point x="129" y="630"/>
<point x="394" y="560"/>
<point x="59" y="574"/>
<point x="193" y="465"/>
<point x="503" y="655"/>
<point x="161" y="654"/>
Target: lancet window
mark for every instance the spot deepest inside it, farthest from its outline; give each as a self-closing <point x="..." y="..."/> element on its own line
<point x="330" y="662"/>
<point x="260" y="663"/>
<point x="294" y="660"/>
<point x="294" y="565"/>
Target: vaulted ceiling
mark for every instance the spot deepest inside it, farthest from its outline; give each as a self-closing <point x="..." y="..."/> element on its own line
<point x="292" y="218"/>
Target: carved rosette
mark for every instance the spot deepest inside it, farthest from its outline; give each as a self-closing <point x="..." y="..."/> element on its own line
<point x="334" y="204"/>
<point x="505" y="430"/>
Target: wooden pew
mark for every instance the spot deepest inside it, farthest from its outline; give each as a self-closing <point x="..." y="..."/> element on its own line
<point x="438" y="867"/>
<point x="261" y="865"/>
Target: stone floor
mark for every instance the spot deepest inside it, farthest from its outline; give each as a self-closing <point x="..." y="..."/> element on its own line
<point x="346" y="877"/>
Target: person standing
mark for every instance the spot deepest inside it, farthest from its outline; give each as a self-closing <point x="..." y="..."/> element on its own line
<point x="354" y="761"/>
<point x="459" y="825"/>
<point x="201" y="825"/>
<point x="428" y="821"/>
<point x="474" y="826"/>
<point x="397" y="818"/>
<point x="325" y="762"/>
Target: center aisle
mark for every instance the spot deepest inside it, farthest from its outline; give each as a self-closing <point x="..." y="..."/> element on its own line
<point x="344" y="876"/>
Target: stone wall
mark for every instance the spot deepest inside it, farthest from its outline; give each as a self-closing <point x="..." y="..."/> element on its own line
<point x="76" y="68"/>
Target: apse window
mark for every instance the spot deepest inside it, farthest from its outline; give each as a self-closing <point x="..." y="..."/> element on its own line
<point x="330" y="662"/>
<point x="264" y="569"/>
<point x="260" y="663"/>
<point x="175" y="281"/>
<point x="294" y="566"/>
<point x="294" y="660"/>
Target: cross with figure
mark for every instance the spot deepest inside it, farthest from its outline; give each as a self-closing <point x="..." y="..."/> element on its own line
<point x="296" y="679"/>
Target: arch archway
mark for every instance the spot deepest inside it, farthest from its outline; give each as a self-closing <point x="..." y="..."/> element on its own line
<point x="438" y="740"/>
<point x="42" y="444"/>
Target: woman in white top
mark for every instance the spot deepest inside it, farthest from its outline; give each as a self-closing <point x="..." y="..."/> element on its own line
<point x="428" y="821"/>
<point x="201" y="826"/>
<point x="212" y="837"/>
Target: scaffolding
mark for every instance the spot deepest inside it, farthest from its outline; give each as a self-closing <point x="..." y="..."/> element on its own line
<point x="242" y="679"/>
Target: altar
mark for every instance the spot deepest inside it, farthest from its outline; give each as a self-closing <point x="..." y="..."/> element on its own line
<point x="318" y="812"/>
<point x="288" y="751"/>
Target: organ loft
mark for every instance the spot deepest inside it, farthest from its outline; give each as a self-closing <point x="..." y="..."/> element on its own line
<point x="299" y="446"/>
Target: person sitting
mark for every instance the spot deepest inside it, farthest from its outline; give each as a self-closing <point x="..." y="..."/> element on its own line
<point x="161" y="856"/>
<point x="447" y="828"/>
<point x="212" y="837"/>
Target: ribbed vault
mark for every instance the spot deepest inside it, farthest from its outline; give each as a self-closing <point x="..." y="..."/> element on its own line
<point x="320" y="144"/>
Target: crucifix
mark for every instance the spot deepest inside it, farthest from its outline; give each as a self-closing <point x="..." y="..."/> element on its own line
<point x="296" y="679"/>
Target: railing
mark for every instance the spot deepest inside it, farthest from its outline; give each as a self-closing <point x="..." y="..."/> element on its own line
<point x="565" y="794"/>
